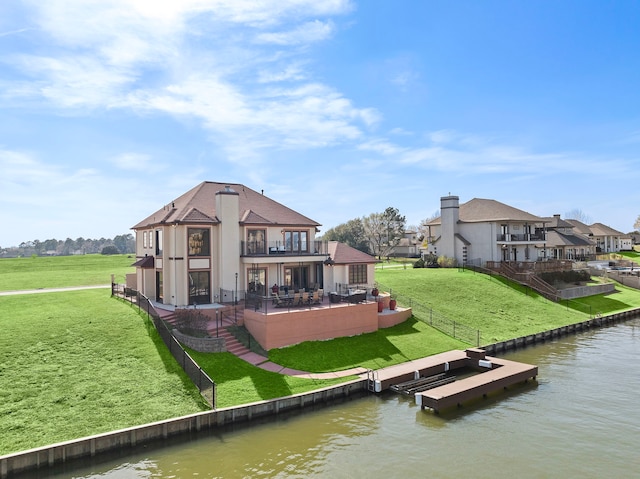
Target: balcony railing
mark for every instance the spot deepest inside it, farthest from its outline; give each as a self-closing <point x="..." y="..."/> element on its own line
<point x="279" y="248"/>
<point x="521" y="237"/>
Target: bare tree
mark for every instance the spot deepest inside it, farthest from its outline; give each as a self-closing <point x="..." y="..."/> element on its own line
<point x="577" y="214"/>
<point x="423" y="230"/>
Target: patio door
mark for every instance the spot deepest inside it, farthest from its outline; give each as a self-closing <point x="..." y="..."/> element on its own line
<point x="159" y="293"/>
<point x="199" y="287"/>
<point x="297" y="277"/>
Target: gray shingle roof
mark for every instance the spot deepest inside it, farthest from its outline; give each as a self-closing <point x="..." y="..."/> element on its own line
<point x="479" y="210"/>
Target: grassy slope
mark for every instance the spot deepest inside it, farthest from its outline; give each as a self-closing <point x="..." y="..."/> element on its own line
<point x="60" y="271"/>
<point x="497" y="309"/>
<point x="79" y="363"/>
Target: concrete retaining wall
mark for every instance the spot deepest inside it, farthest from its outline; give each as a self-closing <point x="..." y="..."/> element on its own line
<point x="204" y="345"/>
<point x="524" y="341"/>
<point x="133" y="437"/>
<point x="582" y="291"/>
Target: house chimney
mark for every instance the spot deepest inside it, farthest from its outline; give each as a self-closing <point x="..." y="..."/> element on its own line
<point x="449" y="217"/>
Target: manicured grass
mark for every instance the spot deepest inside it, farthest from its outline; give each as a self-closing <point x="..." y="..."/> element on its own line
<point x="62" y="271"/>
<point x="79" y="363"/>
<point x="385" y="347"/>
<point x="497" y="308"/>
<point x="238" y="382"/>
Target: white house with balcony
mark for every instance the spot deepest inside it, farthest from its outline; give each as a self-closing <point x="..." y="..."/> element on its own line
<point x="484" y="230"/>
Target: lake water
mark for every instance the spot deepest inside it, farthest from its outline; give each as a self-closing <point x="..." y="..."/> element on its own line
<point x="580" y="419"/>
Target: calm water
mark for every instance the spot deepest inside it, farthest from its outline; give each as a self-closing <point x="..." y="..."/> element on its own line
<point x="581" y="419"/>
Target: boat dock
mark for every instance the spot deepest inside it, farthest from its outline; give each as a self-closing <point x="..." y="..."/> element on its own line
<point x="433" y="382"/>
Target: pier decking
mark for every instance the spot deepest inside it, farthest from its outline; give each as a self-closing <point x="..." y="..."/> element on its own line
<point x="434" y="386"/>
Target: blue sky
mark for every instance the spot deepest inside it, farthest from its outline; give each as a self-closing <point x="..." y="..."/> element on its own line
<point x="111" y="108"/>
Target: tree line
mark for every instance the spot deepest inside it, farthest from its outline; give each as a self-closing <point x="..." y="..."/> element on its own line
<point x="121" y="244"/>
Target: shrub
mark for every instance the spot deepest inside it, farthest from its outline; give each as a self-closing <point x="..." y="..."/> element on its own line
<point x="573" y="276"/>
<point x="446" y="262"/>
<point x="431" y="261"/>
<point x="110" y="250"/>
<point x="419" y="263"/>
<point x="192" y="322"/>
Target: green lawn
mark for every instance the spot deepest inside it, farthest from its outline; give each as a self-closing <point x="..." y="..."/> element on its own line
<point x="498" y="308"/>
<point x="61" y="271"/>
<point x="238" y="382"/>
<point x="79" y="363"/>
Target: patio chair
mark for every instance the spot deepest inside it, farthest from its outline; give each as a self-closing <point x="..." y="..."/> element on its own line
<point x="321" y="294"/>
<point x="296" y="299"/>
<point x="305" y="298"/>
<point x="315" y="299"/>
<point x="277" y="301"/>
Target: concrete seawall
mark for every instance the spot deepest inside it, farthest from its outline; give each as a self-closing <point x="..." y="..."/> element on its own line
<point x="133" y="437"/>
<point x="537" y="338"/>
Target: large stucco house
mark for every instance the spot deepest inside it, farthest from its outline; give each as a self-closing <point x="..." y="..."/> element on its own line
<point x="224" y="246"/>
<point x="219" y="240"/>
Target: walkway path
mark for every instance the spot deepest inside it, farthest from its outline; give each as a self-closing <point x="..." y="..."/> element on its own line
<point x="53" y="290"/>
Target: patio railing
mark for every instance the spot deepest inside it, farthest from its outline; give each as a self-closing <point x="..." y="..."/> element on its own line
<point x="428" y="315"/>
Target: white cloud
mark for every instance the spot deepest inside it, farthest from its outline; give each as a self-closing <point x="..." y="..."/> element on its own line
<point x="134" y="162"/>
<point x="157" y="57"/>
<point x="309" y="32"/>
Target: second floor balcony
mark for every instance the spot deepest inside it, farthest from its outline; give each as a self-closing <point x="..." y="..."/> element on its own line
<point x="280" y="248"/>
<point x="523" y="237"/>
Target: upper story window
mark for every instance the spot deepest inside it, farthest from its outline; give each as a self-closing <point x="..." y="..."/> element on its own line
<point x="144" y="239"/>
<point x="158" y="242"/>
<point x="296" y="241"/>
<point x="151" y="239"/>
<point x="256" y="241"/>
<point x="198" y="241"/>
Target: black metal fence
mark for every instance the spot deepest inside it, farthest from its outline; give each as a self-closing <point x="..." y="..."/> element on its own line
<point x="427" y="315"/>
<point x="201" y="379"/>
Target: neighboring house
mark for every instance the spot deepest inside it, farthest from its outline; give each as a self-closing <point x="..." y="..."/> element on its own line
<point x="408" y="246"/>
<point x="564" y="242"/>
<point x="607" y="239"/>
<point x="484" y="230"/>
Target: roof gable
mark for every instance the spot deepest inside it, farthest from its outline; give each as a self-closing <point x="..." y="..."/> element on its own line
<point x="201" y="198"/>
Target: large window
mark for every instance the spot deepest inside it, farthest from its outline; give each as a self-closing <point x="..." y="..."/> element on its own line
<point x="256" y="242"/>
<point x="357" y="274"/>
<point x="159" y="293"/>
<point x="198" y="241"/>
<point x="144" y="239"/>
<point x="199" y="287"/>
<point x="158" y="242"/>
<point x="296" y="241"/>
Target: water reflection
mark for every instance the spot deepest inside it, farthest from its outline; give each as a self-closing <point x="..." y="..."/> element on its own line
<point x="579" y="419"/>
